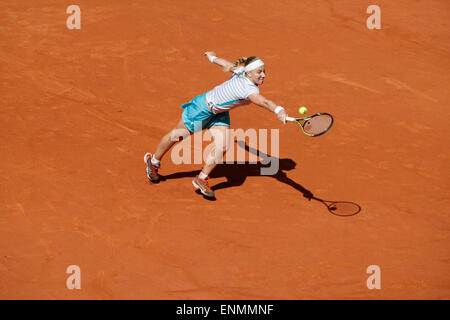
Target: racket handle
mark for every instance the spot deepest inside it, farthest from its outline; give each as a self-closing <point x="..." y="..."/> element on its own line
<point x="290" y="119"/>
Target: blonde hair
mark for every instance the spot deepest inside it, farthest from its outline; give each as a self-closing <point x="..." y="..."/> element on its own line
<point x="241" y="62"/>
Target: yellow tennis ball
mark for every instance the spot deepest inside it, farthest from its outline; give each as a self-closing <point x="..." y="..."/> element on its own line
<point x="302" y="110"/>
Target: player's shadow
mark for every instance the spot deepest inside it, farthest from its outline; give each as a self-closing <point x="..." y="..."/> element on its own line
<point x="236" y="174"/>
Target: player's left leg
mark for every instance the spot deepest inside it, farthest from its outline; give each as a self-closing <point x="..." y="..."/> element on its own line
<point x="167" y="141"/>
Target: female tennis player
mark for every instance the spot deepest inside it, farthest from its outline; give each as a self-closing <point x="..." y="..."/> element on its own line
<point x="211" y="111"/>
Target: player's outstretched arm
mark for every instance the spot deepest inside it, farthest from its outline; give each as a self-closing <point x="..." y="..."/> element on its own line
<point x="261" y="101"/>
<point x="219" y="61"/>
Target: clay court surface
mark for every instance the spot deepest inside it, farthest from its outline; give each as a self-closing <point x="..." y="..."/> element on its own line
<point x="79" y="108"/>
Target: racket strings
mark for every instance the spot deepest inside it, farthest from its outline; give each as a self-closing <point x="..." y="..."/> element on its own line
<point x="318" y="124"/>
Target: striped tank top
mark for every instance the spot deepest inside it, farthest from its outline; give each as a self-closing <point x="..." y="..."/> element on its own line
<point x="232" y="93"/>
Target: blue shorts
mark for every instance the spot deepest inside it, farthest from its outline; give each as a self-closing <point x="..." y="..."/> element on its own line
<point x="197" y="116"/>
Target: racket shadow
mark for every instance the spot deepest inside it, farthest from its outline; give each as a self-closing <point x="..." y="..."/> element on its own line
<point x="340" y="208"/>
<point x="337" y="208"/>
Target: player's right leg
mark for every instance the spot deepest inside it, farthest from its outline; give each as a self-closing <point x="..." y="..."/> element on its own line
<point x="221" y="135"/>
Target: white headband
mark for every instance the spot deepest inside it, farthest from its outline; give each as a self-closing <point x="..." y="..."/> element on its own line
<point x="252" y="66"/>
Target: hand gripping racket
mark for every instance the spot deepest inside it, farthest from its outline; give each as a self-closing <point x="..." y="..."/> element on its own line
<point x="314" y="125"/>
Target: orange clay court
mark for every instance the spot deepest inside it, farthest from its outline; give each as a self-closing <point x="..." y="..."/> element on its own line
<point x="79" y="109"/>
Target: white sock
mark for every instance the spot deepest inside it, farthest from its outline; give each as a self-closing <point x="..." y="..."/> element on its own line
<point x="155" y="162"/>
<point x="202" y="175"/>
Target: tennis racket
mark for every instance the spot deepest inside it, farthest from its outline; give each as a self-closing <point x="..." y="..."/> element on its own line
<point x="314" y="125"/>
